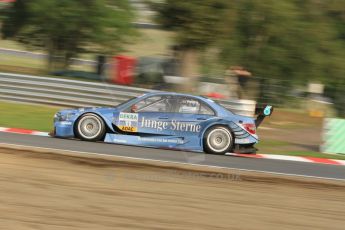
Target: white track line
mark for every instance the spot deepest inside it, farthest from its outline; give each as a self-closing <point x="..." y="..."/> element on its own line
<point x="43" y="134"/>
<point x="340" y="161"/>
<point x="286" y="158"/>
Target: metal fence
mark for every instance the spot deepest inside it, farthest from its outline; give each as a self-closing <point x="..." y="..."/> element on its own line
<point x="73" y="93"/>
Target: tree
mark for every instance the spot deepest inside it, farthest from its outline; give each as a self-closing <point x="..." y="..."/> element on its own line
<point x="334" y="69"/>
<point x="266" y="38"/>
<point x="197" y="25"/>
<point x="295" y="41"/>
<point x="67" y="28"/>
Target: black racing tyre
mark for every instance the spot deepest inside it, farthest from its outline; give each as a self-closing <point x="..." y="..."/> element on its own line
<point x="90" y="127"/>
<point x="218" y="140"/>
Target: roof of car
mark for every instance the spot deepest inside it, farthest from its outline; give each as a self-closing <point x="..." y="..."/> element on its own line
<point x="176" y="94"/>
<point x="220" y="109"/>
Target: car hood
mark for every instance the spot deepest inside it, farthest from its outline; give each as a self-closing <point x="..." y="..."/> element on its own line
<point x="101" y="110"/>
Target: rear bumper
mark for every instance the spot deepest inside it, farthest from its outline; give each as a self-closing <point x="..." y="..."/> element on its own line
<point x="249" y="148"/>
<point x="249" y="140"/>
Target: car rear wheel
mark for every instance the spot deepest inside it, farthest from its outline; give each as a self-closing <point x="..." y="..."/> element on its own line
<point x="90" y="127"/>
<point x="218" y="140"/>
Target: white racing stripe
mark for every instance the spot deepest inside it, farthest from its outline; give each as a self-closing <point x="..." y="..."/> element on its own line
<point x="175" y="162"/>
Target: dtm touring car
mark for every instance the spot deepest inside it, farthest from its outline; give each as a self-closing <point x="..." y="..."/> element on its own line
<point x="164" y="120"/>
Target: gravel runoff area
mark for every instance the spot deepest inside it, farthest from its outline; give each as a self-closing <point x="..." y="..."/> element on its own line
<point x="41" y="190"/>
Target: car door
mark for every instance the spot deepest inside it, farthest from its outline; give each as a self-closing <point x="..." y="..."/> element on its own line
<point x="191" y="116"/>
<point x="152" y="115"/>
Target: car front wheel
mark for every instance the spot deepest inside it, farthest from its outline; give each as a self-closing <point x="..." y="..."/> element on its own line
<point x="90" y="127"/>
<point x="218" y="140"/>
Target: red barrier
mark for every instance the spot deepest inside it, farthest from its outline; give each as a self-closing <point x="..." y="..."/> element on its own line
<point x="124" y="70"/>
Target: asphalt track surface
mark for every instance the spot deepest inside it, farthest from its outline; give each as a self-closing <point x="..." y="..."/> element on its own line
<point x="251" y="164"/>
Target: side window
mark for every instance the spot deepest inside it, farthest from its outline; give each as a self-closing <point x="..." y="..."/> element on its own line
<point x="152" y="104"/>
<point x="204" y="109"/>
<point x="193" y="106"/>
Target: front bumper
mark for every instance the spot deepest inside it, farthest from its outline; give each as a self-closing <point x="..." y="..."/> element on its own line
<point x="52" y="133"/>
<point x="63" y="129"/>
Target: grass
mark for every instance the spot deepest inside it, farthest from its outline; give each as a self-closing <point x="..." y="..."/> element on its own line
<point x="14" y="60"/>
<point x="8" y="44"/>
<point x="21" y="70"/>
<point x="271" y="143"/>
<point x="17" y="62"/>
<point x="283" y="118"/>
<point x="276" y="147"/>
<point x="149" y="42"/>
<point x="27" y="116"/>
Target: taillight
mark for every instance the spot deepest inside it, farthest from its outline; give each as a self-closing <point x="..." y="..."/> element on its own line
<point x="250" y="128"/>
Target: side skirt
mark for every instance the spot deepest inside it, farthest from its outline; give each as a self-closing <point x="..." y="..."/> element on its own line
<point x="166" y="142"/>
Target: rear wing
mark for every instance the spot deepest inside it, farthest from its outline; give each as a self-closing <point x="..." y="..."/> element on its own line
<point x="261" y="113"/>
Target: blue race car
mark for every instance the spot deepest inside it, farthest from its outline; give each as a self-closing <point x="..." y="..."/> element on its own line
<point x="164" y="120"/>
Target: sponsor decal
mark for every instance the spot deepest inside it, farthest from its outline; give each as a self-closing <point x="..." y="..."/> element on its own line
<point x="65" y="123"/>
<point x="128" y="117"/>
<point x="119" y="140"/>
<point x="242" y="141"/>
<point x="162" y="140"/>
<point x="173" y="125"/>
<point x="128" y="128"/>
<point x="128" y="122"/>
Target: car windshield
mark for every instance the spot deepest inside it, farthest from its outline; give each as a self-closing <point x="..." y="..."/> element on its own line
<point x="125" y="102"/>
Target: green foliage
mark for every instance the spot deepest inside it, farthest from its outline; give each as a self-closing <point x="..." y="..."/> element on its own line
<point x="197" y="23"/>
<point x="266" y="39"/>
<point x="65" y="28"/>
<point x="292" y="41"/>
<point x="298" y="41"/>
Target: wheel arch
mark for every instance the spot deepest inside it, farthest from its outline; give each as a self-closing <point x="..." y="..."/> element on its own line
<point x="221" y="123"/>
<point x="106" y="121"/>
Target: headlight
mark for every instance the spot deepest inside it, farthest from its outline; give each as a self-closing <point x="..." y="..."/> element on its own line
<point x="68" y="116"/>
<point x="63" y="117"/>
<point x="57" y="116"/>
